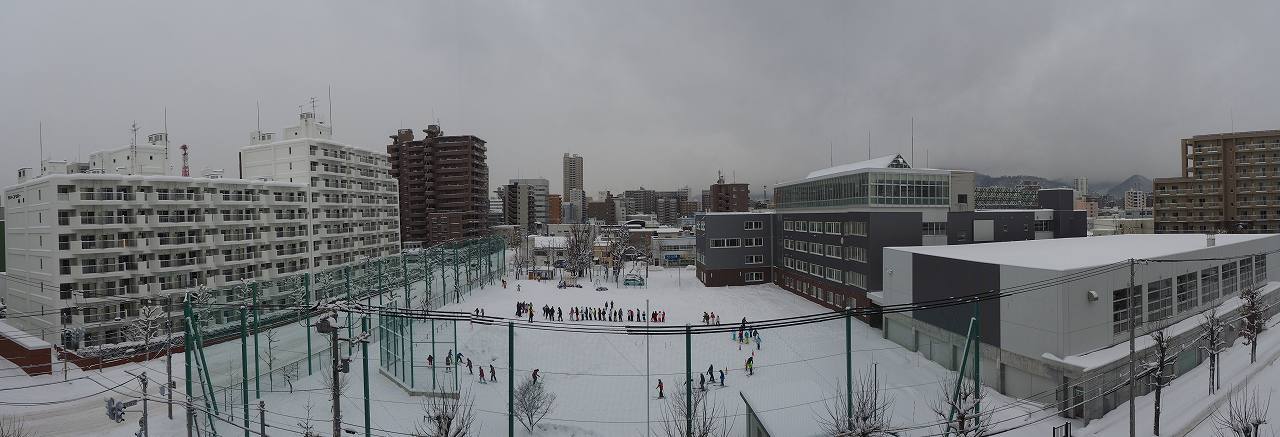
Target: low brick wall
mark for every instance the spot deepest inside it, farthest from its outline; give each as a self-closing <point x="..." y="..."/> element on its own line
<point x="34" y="356"/>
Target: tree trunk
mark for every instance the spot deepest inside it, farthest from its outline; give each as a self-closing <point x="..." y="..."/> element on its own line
<point x="1253" y="349"/>
<point x="1156" y="422"/>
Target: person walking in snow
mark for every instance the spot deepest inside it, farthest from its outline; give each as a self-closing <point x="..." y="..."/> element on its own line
<point x="710" y="372"/>
<point x="535" y="375"/>
<point x="702" y="382"/>
<point x="722" y="377"/>
<point x="448" y="360"/>
<point x="660" y="389"/>
<point x="751" y="365"/>
<point x="757" y="340"/>
<point x="493" y="376"/>
<point x="482" y="380"/>
<point x="517" y="287"/>
<point x="469" y="372"/>
<point x="431" y="361"/>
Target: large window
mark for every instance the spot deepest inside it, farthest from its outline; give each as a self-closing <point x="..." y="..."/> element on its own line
<point x="833" y="228"/>
<point x="1259" y="269"/>
<point x="934" y="228"/>
<point x="754" y="276"/>
<point x="788" y="225"/>
<point x="752" y="225"/>
<point x="1187" y="291"/>
<point x="833" y="274"/>
<point x="754" y="259"/>
<point x="1121" y="302"/>
<point x="1159" y="300"/>
<point x="1229" y="279"/>
<point x="833" y="251"/>
<point x="1246" y="273"/>
<point x="856" y="253"/>
<point x="1208" y="285"/>
<point x="855" y="228"/>
<point x="855" y="279"/>
<point x="753" y="242"/>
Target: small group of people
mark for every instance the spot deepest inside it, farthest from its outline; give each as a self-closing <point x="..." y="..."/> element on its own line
<point x="449" y="360"/>
<point x="653" y="316"/>
<point x="747" y="337"/>
<point x="702" y="380"/>
<point x="478" y="312"/>
<point x="710" y="318"/>
<point x="550" y="313"/>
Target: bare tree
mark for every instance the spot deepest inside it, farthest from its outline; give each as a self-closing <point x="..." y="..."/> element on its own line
<point x="1158" y="371"/>
<point x="1245" y="415"/>
<point x="447" y="416"/>
<point x="305" y="426"/>
<point x="520" y="260"/>
<point x="14" y="426"/>
<point x="579" y="246"/>
<point x="870" y="415"/>
<point x="290" y="375"/>
<point x="147" y="327"/>
<point x="532" y="403"/>
<point x="271" y="357"/>
<point x="961" y="411"/>
<point x="709" y="419"/>
<point x="1213" y="328"/>
<point x="1253" y="321"/>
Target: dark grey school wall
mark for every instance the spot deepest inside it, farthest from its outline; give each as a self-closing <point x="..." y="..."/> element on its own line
<point x="934" y="277"/>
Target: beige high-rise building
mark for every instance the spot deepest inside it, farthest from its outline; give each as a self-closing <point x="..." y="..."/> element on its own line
<point x="572" y="173"/>
<point x="1230" y="182"/>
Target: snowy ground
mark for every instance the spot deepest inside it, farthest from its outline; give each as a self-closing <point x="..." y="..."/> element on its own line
<point x="600" y="380"/>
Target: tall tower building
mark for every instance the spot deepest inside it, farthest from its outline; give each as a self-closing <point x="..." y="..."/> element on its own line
<point x="1082" y="187"/>
<point x="444" y="185"/>
<point x="572" y="173"/>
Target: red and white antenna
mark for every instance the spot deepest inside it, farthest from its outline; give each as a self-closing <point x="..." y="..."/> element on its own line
<point x="186" y="171"/>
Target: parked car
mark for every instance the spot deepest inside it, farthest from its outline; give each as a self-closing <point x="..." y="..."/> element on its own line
<point x="633" y="280"/>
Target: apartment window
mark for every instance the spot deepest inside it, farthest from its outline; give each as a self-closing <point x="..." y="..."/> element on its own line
<point x="755" y="259"/>
<point x="1159" y="300"/>
<point x="1121" y="302"/>
<point x="788" y="262"/>
<point x="753" y="225"/>
<point x="754" y="276"/>
<point x="833" y="251"/>
<point x="834" y="274"/>
<point x="1229" y="279"/>
<point x="1208" y="285"/>
<point x="753" y="242"/>
<point x="788" y="244"/>
<point x="1187" y="292"/>
<point x="833" y="228"/>
<point x="1044" y="225"/>
<point x="856" y="253"/>
<point x="815" y="227"/>
<point x="855" y="228"/>
<point x="788" y="225"/>
<point x="856" y="279"/>
<point x="717" y="243"/>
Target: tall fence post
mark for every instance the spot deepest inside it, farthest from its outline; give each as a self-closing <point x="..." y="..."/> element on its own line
<point x="257" y="375"/>
<point x="364" y="351"/>
<point x="306" y="299"/>
<point x="688" y="380"/>
<point x="244" y="367"/>
<point x="511" y="379"/>
<point x="848" y="364"/>
<point x="186" y="354"/>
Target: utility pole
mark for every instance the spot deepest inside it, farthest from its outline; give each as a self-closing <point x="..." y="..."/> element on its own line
<point x="325" y="327"/>
<point x="143" y="421"/>
<point x="1133" y="376"/>
<point x="262" y="418"/>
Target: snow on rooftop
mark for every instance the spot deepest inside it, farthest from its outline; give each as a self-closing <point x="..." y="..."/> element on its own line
<point x="23" y="339"/>
<point x="881" y="162"/>
<point x="774" y="403"/>
<point x="1081" y="252"/>
<point x="549" y="241"/>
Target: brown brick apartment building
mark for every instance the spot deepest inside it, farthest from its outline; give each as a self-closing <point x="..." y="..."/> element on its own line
<point x="444" y="184"/>
<point x="1230" y="182"/>
<point x="729" y="197"/>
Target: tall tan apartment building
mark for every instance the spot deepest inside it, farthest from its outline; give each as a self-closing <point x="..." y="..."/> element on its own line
<point x="1230" y="182"/>
<point x="444" y="185"/>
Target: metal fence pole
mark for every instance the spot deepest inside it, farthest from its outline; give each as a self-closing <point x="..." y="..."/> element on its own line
<point x="244" y="367"/>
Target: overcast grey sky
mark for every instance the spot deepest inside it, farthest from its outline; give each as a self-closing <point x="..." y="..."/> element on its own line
<point x="655" y="93"/>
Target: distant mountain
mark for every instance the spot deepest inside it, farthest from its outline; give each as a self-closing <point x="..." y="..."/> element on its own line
<point x="1135" y="182"/>
<point x="983" y="180"/>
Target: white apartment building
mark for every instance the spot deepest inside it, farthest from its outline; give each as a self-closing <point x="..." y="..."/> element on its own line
<point x="1135" y="199"/>
<point x="86" y="251"/>
<point x="354" y="200"/>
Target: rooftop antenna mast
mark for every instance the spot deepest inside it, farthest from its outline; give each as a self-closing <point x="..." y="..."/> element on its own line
<point x="257" y="108"/>
<point x="330" y="108"/>
<point x="913" y="139"/>
<point x="831" y="154"/>
<point x="133" y="146"/>
<point x="166" y="142"/>
<point x="868" y="143"/>
<point x="41" y="130"/>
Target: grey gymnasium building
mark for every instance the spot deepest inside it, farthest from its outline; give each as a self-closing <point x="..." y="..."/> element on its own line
<point x="825" y="239"/>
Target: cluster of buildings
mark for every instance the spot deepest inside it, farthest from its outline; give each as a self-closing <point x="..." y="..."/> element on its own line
<point x="883" y="234"/>
<point x="88" y="244"/>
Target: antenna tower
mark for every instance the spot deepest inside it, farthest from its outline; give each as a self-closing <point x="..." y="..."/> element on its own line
<point x="133" y="147"/>
<point x="186" y="170"/>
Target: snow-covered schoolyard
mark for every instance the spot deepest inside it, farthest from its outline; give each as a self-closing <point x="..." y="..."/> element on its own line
<point x="599" y="380"/>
